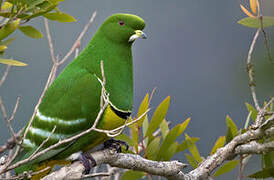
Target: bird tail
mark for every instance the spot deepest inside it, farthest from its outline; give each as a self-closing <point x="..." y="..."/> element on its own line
<point x="31" y="166"/>
<point x="24" y="154"/>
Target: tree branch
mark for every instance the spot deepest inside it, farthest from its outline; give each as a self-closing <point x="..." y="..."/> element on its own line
<point x="255" y="148"/>
<point x="166" y="169"/>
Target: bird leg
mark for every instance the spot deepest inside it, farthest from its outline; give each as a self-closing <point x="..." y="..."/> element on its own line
<point x="88" y="161"/>
<point x="116" y="144"/>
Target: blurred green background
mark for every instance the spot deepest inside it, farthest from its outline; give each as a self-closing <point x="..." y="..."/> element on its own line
<point x="195" y="52"/>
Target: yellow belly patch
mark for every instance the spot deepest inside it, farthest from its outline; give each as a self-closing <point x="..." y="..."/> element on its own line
<point x="110" y="120"/>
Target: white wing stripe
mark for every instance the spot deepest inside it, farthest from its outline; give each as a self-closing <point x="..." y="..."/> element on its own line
<point x="28" y="143"/>
<point x="45" y="134"/>
<point x="57" y="120"/>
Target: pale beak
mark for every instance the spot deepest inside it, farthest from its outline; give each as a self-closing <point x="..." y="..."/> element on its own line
<point x="138" y="34"/>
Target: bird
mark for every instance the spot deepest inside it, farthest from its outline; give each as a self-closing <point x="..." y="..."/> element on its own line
<point x="72" y="102"/>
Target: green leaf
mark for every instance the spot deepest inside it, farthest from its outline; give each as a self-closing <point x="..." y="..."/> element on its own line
<point x="193" y="149"/>
<point x="153" y="148"/>
<point x="12" y="62"/>
<point x="183" y="146"/>
<point x="255" y="22"/>
<point x="164" y="128"/>
<point x="226" y="167"/>
<point x="144" y="128"/>
<point x="191" y="161"/>
<point x="170" y="152"/>
<point x="125" y="138"/>
<point x="142" y="109"/>
<point x="55" y="1"/>
<point x="39" y="13"/>
<point x="26" y="2"/>
<point x="60" y="16"/>
<point x="135" y="136"/>
<point x="268" y="160"/>
<point x="253" y="111"/>
<point x="158" y="116"/>
<point x="3" y="48"/>
<point x="232" y="129"/>
<point x="31" y="32"/>
<point x="265" y="173"/>
<point x="132" y="175"/>
<point x="218" y="144"/>
<point x="7" y="42"/>
<point x="8" y="29"/>
<point x="171" y="137"/>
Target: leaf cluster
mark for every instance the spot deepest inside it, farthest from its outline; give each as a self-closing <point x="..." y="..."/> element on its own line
<point x="155" y="140"/>
<point x="14" y="14"/>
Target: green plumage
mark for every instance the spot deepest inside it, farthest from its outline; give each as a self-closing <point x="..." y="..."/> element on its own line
<point x="72" y="102"/>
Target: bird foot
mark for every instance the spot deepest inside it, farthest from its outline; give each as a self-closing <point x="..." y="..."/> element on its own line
<point x="88" y="161"/>
<point x="116" y="144"/>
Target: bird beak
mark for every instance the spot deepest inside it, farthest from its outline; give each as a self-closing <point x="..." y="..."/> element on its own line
<point x="138" y="34"/>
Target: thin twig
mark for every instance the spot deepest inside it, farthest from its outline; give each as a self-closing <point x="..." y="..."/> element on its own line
<point x="5" y="75"/>
<point x="28" y="174"/>
<point x="9" y="119"/>
<point x="49" y="40"/>
<point x="95" y="175"/>
<point x="78" y="39"/>
<point x="10" y="143"/>
<point x="250" y="70"/>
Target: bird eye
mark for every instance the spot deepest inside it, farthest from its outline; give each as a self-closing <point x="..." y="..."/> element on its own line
<point x="121" y="23"/>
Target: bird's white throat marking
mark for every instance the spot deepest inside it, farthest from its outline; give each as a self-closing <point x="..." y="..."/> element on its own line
<point x="57" y="120"/>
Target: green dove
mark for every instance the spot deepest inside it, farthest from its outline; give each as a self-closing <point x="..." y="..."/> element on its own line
<point x="72" y="102"/>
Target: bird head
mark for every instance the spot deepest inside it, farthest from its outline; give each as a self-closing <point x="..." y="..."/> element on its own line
<point x="124" y="28"/>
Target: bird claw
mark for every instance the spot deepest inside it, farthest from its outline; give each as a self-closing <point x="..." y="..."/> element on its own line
<point x="116" y="144"/>
<point x="88" y="161"/>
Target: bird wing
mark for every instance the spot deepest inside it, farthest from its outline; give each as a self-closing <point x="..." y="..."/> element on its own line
<point x="70" y="104"/>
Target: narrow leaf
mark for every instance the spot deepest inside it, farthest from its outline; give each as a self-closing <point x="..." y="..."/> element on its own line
<point x="8" y="29"/>
<point x="60" y="16"/>
<point x="255" y="22"/>
<point x="142" y="109"/>
<point x="158" y="116"/>
<point x="144" y="128"/>
<point x="3" y="48"/>
<point x="193" y="149"/>
<point x="253" y="6"/>
<point x="226" y="167"/>
<point x="268" y="160"/>
<point x="218" y="144"/>
<point x="12" y="62"/>
<point x="232" y="129"/>
<point x="164" y="128"/>
<point x="170" y="152"/>
<point x="6" y="6"/>
<point x="125" y="138"/>
<point x="153" y="148"/>
<point x="253" y="111"/>
<point x="171" y="137"/>
<point x="132" y="175"/>
<point x="247" y="12"/>
<point x="7" y="42"/>
<point x="191" y="161"/>
<point x="183" y="146"/>
<point x="135" y="136"/>
<point x="265" y="173"/>
<point x="31" y="32"/>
